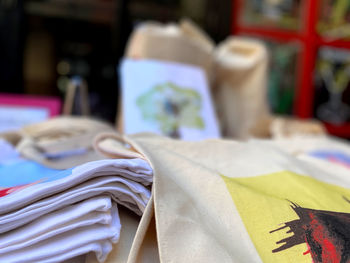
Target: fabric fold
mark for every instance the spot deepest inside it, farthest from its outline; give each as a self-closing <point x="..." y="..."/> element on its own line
<point x="49" y="215"/>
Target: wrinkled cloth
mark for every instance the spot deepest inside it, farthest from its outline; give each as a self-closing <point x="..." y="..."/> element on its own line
<point x="229" y="201"/>
<point x="327" y="153"/>
<point x="47" y="215"/>
<point x="59" y="143"/>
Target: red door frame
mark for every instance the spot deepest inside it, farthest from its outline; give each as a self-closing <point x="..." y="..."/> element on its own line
<point x="310" y="42"/>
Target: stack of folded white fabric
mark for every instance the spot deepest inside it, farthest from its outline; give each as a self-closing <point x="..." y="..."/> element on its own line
<point x="71" y="212"/>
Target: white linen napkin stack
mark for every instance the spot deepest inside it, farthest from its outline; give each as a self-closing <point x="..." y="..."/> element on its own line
<point x="62" y="218"/>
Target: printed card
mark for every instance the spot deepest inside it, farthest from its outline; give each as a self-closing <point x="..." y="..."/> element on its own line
<point x="167" y="98"/>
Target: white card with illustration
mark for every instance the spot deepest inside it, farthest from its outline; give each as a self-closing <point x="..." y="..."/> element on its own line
<point x="167" y="98"/>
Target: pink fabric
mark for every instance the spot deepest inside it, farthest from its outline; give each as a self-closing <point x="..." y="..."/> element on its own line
<point x="52" y="104"/>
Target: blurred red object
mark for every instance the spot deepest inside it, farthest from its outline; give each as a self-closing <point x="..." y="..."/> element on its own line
<point x="51" y="104"/>
<point x="310" y="40"/>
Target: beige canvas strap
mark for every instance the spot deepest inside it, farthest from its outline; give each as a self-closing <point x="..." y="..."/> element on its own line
<point x="60" y="143"/>
<point x="115" y="145"/>
<point x="77" y="87"/>
<point x="145" y="246"/>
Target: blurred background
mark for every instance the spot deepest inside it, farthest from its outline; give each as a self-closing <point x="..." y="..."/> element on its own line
<point x="43" y="43"/>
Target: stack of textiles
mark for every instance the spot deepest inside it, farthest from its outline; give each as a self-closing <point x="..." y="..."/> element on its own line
<point x="49" y="215"/>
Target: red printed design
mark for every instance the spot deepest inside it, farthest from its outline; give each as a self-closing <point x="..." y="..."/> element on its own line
<point x="326" y="233"/>
<point x="9" y="190"/>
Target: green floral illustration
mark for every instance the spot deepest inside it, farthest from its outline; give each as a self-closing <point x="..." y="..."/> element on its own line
<point x="171" y="107"/>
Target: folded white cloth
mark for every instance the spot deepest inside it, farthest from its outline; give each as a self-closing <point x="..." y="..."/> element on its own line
<point x="76" y="240"/>
<point x="135" y="169"/>
<point x="89" y="212"/>
<point x="108" y="185"/>
<point x="48" y="215"/>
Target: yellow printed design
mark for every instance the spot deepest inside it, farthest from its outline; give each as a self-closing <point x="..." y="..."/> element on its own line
<point x="294" y="218"/>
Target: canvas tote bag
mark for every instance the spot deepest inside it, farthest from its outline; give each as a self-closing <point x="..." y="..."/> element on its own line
<point x="240" y="89"/>
<point x="183" y="42"/>
<point x="59" y="143"/>
<point x="240" y="93"/>
<point x="228" y="201"/>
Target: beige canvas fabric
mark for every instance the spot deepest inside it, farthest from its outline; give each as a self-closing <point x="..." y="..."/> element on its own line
<point x="145" y="245"/>
<point x="240" y="85"/>
<point x="220" y="201"/>
<point x="59" y="143"/>
<point x="282" y="127"/>
<point x="13" y="137"/>
<point x="278" y="127"/>
<point x="237" y="68"/>
<point x="240" y="94"/>
<point x="327" y="153"/>
<point x="183" y="43"/>
<point x="114" y="145"/>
